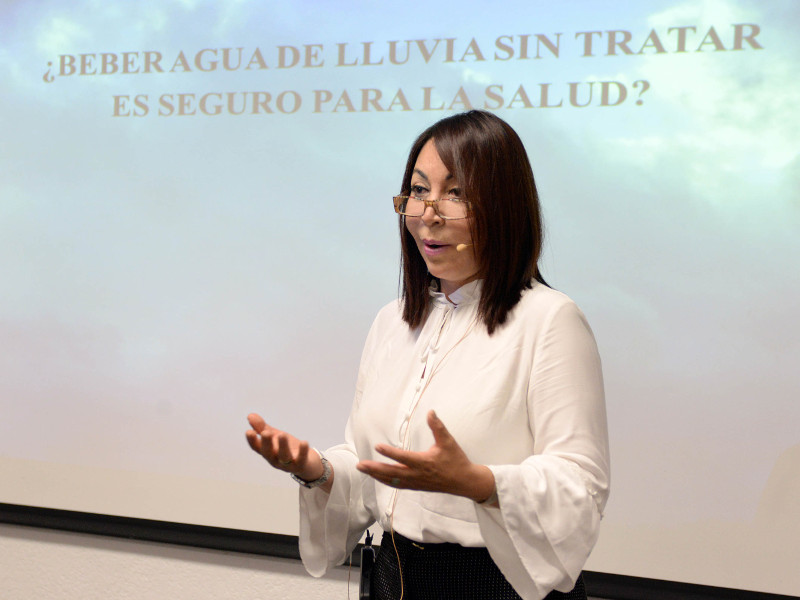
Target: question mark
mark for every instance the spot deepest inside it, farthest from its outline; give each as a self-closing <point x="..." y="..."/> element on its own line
<point x="645" y="85"/>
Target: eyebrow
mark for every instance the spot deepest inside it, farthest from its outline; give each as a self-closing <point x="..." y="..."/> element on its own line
<point x="425" y="177"/>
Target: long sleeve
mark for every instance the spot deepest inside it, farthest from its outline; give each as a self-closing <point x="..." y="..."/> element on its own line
<point x="551" y="504"/>
<point x="332" y="523"/>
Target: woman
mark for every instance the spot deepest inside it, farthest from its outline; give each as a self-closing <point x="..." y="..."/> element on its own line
<point x="477" y="438"/>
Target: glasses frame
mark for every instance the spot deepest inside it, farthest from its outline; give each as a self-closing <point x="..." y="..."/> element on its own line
<point x="434" y="204"/>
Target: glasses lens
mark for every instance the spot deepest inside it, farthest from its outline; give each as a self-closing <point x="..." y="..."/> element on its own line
<point x="445" y="207"/>
<point x="414" y="207"/>
<point x="452" y="209"/>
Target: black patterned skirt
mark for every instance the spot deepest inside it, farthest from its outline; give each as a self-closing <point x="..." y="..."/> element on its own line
<point x="444" y="571"/>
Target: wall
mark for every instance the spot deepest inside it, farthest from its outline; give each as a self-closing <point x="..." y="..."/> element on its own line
<point x="54" y="565"/>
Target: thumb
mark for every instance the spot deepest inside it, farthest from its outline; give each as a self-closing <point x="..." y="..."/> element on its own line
<point x="440" y="433"/>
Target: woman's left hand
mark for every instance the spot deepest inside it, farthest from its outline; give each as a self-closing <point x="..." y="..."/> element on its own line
<point x="444" y="467"/>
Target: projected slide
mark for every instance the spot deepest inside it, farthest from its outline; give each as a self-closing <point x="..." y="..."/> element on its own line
<point x="196" y="223"/>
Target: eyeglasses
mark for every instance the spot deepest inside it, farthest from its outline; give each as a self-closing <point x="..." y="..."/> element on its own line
<point x="446" y="208"/>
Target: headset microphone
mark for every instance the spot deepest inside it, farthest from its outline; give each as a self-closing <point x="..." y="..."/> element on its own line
<point x="462" y="247"/>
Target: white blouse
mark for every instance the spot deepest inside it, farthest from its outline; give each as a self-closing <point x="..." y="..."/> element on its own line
<point x="526" y="401"/>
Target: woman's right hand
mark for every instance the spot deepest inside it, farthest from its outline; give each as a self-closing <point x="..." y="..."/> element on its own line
<point x="283" y="451"/>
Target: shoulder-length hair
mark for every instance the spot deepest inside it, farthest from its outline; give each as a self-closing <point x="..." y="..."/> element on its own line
<point x="488" y="160"/>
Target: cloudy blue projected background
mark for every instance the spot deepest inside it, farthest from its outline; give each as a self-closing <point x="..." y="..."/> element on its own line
<point x="195" y="223"/>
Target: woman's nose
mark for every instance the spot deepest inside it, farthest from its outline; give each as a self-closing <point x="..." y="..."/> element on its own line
<point x="430" y="216"/>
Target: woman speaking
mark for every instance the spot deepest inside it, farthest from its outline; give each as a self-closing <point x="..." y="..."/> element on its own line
<point x="477" y="438"/>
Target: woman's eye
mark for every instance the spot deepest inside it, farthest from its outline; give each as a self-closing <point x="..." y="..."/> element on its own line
<point x="454" y="193"/>
<point x="418" y="190"/>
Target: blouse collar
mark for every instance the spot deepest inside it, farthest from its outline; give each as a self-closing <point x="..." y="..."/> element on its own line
<point x="468" y="293"/>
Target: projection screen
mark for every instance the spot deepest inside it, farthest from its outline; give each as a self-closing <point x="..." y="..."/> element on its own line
<point x="195" y="223"/>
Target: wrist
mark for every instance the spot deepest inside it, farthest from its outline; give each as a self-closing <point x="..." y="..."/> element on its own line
<point x="315" y="470"/>
<point x="492" y="501"/>
<point x="320" y="480"/>
<point x="482" y="487"/>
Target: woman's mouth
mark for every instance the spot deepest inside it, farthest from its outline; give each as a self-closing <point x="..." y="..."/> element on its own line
<point x="434" y="247"/>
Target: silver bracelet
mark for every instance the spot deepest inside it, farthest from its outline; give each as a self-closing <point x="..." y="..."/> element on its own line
<point x="327" y="470"/>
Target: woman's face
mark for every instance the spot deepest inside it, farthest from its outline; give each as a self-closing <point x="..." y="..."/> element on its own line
<point x="437" y="238"/>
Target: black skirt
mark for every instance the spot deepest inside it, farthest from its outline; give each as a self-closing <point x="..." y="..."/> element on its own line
<point x="444" y="571"/>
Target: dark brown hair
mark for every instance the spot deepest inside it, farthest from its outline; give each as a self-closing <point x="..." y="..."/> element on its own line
<point x="488" y="160"/>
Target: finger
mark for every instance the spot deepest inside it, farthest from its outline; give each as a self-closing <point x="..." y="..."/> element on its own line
<point x="383" y="472"/>
<point x="302" y="455"/>
<point x="256" y="422"/>
<point x="399" y="480"/>
<point x="398" y="454"/>
<point x="253" y="440"/>
<point x="440" y="433"/>
<point x="284" y="454"/>
<point x="269" y="446"/>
